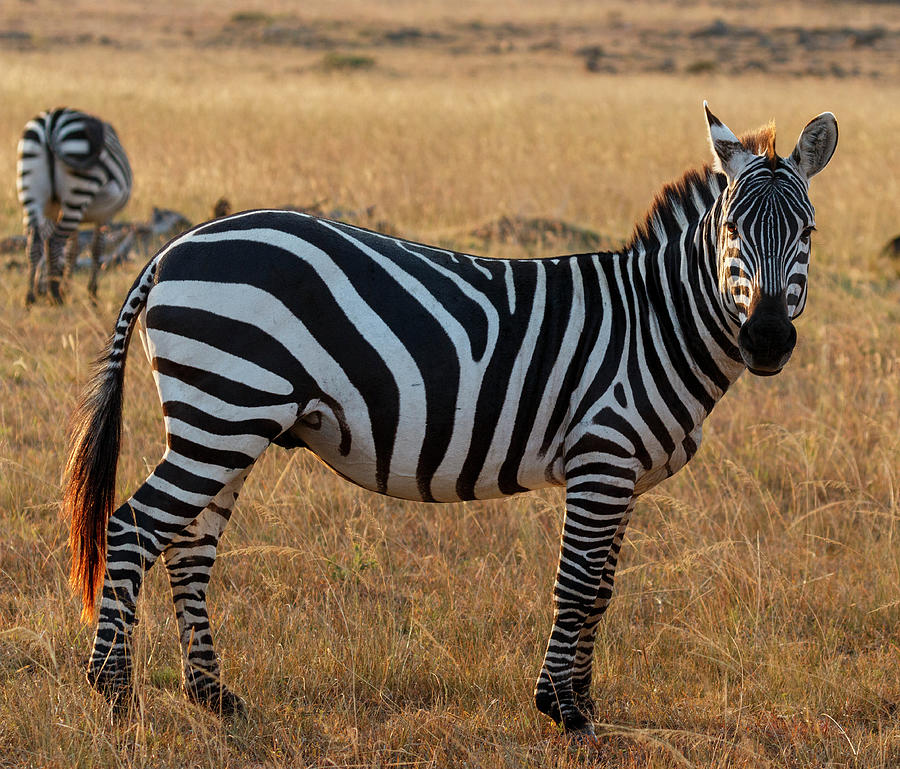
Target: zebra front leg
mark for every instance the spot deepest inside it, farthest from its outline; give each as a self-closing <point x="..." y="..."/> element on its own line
<point x="599" y="496"/>
<point x="584" y="654"/>
<point x="167" y="502"/>
<point x="189" y="560"/>
<point x="96" y="251"/>
<point x="34" y="248"/>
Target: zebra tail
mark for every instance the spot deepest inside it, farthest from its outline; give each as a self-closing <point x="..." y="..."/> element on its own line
<point x="94" y="440"/>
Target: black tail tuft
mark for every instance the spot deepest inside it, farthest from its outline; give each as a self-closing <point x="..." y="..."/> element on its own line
<point x="90" y="478"/>
<point x="94" y="437"/>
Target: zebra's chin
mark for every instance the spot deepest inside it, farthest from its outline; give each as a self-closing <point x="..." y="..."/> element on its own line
<point x="764" y="372"/>
<point x="765" y="366"/>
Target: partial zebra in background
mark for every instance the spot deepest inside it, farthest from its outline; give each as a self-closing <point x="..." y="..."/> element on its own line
<point x="431" y="375"/>
<point x="71" y="169"/>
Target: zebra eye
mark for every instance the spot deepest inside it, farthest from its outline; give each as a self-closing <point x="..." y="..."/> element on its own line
<point x="731" y="229"/>
<point x="804" y="236"/>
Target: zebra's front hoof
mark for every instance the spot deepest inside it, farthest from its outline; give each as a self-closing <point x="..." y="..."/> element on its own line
<point x="586" y="704"/>
<point x="56" y="296"/>
<point x="29" y="299"/>
<point x="207" y="691"/>
<point x="565" y="713"/>
<point x="585" y="740"/>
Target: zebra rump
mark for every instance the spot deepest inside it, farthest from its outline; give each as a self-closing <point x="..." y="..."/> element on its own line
<point x="83" y="153"/>
<point x="71" y="169"/>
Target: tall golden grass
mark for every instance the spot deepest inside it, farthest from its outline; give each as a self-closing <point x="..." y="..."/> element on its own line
<point x="758" y="597"/>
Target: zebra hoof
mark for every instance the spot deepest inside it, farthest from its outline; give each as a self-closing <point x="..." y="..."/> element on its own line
<point x="115" y="686"/>
<point x="583" y="740"/>
<point x="206" y="691"/>
<point x="572" y="720"/>
<point x="586" y="704"/>
<point x="29" y="299"/>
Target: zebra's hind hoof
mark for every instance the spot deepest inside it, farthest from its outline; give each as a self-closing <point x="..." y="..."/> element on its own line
<point x="224" y="703"/>
<point x="206" y="691"/>
<point x="115" y="687"/>
<point x="232" y="706"/>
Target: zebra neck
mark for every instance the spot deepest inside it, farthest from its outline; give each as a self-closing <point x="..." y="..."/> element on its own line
<point x="682" y="279"/>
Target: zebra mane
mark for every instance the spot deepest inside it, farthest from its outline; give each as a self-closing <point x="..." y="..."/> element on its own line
<point x="688" y="198"/>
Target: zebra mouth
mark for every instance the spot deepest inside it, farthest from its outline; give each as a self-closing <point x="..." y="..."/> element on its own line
<point x="766" y="362"/>
<point x="764" y="372"/>
<point x="767" y="339"/>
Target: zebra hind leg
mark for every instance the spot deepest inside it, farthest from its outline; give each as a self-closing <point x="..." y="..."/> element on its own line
<point x="34" y="248"/>
<point x="55" y="266"/>
<point x="138" y="532"/>
<point x="189" y="560"/>
<point x="71" y="256"/>
<point x="96" y="251"/>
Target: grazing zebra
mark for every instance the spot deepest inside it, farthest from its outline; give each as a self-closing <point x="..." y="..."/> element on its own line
<point x="430" y="375"/>
<point x="71" y="169"/>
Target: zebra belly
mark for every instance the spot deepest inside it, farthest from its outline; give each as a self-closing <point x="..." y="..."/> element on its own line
<point x="323" y="431"/>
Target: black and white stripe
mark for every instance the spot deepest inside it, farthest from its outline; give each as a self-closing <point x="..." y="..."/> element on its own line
<point x="428" y="375"/>
<point x="71" y="169"/>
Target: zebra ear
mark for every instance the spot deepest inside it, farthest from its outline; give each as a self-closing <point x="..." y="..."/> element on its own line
<point x="816" y="144"/>
<point x="729" y="155"/>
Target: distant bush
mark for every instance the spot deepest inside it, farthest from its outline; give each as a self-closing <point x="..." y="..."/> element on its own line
<point x="700" y="67"/>
<point x="335" y="60"/>
<point x="250" y="17"/>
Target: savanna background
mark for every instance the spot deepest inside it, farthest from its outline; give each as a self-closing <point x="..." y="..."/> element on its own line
<point x="758" y="597"/>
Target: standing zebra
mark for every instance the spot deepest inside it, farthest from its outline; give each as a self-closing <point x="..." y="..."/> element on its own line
<point x="71" y="169"/>
<point x="430" y="375"/>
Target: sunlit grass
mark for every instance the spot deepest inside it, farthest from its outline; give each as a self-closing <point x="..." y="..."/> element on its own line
<point x="757" y="600"/>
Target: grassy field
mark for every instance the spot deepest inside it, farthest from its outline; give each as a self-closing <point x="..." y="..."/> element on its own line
<point x="758" y="597"/>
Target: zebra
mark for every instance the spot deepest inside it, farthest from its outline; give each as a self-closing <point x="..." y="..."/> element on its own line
<point x="427" y="374"/>
<point x="71" y="168"/>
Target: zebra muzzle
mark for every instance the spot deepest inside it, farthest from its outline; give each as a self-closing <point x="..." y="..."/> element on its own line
<point x="767" y="338"/>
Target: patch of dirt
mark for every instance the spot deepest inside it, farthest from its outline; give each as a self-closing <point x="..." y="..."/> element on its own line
<point x="363" y="217"/>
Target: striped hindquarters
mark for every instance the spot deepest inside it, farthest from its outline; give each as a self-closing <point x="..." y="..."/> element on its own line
<point x="72" y="162"/>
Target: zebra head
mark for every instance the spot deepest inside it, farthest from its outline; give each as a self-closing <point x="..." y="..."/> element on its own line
<point x="763" y="233"/>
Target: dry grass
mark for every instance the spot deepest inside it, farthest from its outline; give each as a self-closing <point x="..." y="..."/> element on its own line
<point x="757" y="603"/>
